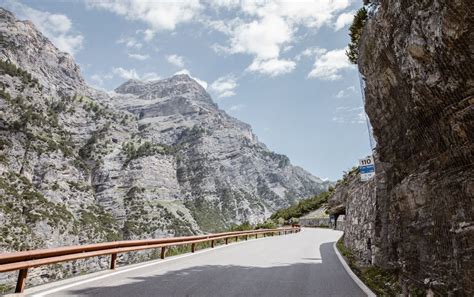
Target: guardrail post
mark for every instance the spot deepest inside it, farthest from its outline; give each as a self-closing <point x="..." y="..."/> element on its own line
<point x="227" y="241"/>
<point x="163" y="252"/>
<point x="236" y="238"/>
<point x="212" y="243"/>
<point x="246" y="237"/>
<point x="20" y="284"/>
<point x="256" y="235"/>
<point x="113" y="261"/>
<point x="193" y="247"/>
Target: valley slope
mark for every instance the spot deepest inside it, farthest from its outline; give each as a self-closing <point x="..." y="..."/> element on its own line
<point x="152" y="159"/>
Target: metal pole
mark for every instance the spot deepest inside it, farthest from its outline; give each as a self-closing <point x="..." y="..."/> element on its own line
<point x="20" y="284"/>
<point x="113" y="261"/>
<point x="163" y="252"/>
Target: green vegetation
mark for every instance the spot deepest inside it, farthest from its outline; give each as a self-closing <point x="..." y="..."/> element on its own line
<point x="245" y="226"/>
<point x="191" y="134"/>
<point x="282" y="160"/>
<point x="133" y="152"/>
<point x="11" y="69"/>
<point x="355" y="31"/>
<point x="4" y="94"/>
<point x="303" y="207"/>
<point x="348" y="175"/>
<point x="383" y="282"/>
<point x="207" y="215"/>
<point x="23" y="207"/>
<point x="79" y="186"/>
<point x="268" y="224"/>
<point x="5" y="289"/>
<point x="100" y="222"/>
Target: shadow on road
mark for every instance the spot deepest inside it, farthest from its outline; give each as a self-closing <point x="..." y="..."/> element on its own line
<point x="296" y="279"/>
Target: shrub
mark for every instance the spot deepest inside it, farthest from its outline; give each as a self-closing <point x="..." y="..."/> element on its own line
<point x="302" y="207"/>
<point x="355" y="31"/>
<point x="12" y="70"/>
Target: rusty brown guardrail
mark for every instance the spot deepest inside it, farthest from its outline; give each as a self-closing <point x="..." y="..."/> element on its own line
<point x="24" y="260"/>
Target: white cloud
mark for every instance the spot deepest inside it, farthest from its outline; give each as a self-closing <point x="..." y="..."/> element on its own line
<point x="176" y="60"/>
<point x="330" y="65"/>
<point x="272" y="67"/>
<point x="309" y="13"/>
<point x="226" y="4"/>
<point x="341" y="94"/>
<point x="125" y="73"/>
<point x="139" y="57"/>
<point x="349" y="115"/>
<point x="203" y="83"/>
<point x="149" y="76"/>
<point x="98" y="79"/>
<point x="314" y="51"/>
<point x="343" y="20"/>
<point x="268" y="28"/>
<point x="237" y="107"/>
<point x="133" y="74"/>
<point x="345" y="92"/>
<point x="262" y="38"/>
<point x="57" y="27"/>
<point x="148" y="34"/>
<point x="68" y="43"/>
<point x="130" y="42"/>
<point x="157" y="14"/>
<point x="224" y="86"/>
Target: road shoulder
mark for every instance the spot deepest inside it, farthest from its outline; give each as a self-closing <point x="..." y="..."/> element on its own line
<point x="354" y="277"/>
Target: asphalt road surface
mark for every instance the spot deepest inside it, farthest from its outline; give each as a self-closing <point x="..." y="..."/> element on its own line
<point x="301" y="264"/>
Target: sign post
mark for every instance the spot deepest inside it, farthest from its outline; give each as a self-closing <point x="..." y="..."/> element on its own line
<point x="366" y="168"/>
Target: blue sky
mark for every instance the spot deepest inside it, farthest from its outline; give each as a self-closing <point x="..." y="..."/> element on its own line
<point x="277" y="65"/>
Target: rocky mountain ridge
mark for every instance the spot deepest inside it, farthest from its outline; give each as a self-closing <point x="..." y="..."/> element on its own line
<point x="151" y="158"/>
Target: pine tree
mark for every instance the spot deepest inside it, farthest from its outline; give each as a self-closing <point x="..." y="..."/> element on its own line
<point x="355" y="31"/>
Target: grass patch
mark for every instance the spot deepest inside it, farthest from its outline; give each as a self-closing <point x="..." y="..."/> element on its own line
<point x="383" y="282"/>
<point x="5" y="289"/>
<point x="303" y="207"/>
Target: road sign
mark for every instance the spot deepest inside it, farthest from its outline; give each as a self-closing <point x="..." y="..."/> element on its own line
<point x="366" y="168"/>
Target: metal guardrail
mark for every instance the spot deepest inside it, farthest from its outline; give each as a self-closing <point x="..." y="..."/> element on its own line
<point x="22" y="261"/>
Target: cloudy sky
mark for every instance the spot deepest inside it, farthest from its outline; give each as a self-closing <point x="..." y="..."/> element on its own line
<point x="277" y="65"/>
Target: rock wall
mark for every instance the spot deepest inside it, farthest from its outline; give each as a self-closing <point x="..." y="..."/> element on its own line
<point x="417" y="58"/>
<point x="359" y="222"/>
<point x="355" y="201"/>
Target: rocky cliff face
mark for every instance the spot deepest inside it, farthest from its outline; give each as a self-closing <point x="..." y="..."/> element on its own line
<point x="153" y="159"/>
<point x="355" y="200"/>
<point x="418" y="61"/>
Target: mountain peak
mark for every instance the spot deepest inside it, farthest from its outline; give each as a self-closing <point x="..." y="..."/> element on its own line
<point x="27" y="48"/>
<point x="182" y="76"/>
<point x="179" y="85"/>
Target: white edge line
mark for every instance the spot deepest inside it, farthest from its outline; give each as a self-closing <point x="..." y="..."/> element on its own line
<point x="354" y="277"/>
<point x="155" y="262"/>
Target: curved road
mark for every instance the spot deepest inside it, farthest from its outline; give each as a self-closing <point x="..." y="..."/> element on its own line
<point x="301" y="264"/>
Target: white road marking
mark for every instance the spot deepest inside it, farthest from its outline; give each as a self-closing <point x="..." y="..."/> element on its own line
<point x="64" y="287"/>
<point x="361" y="285"/>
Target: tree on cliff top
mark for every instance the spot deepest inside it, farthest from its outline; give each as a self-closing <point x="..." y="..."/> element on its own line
<point x="355" y="31"/>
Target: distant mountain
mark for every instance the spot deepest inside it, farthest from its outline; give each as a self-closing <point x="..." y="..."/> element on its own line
<point x="151" y="159"/>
